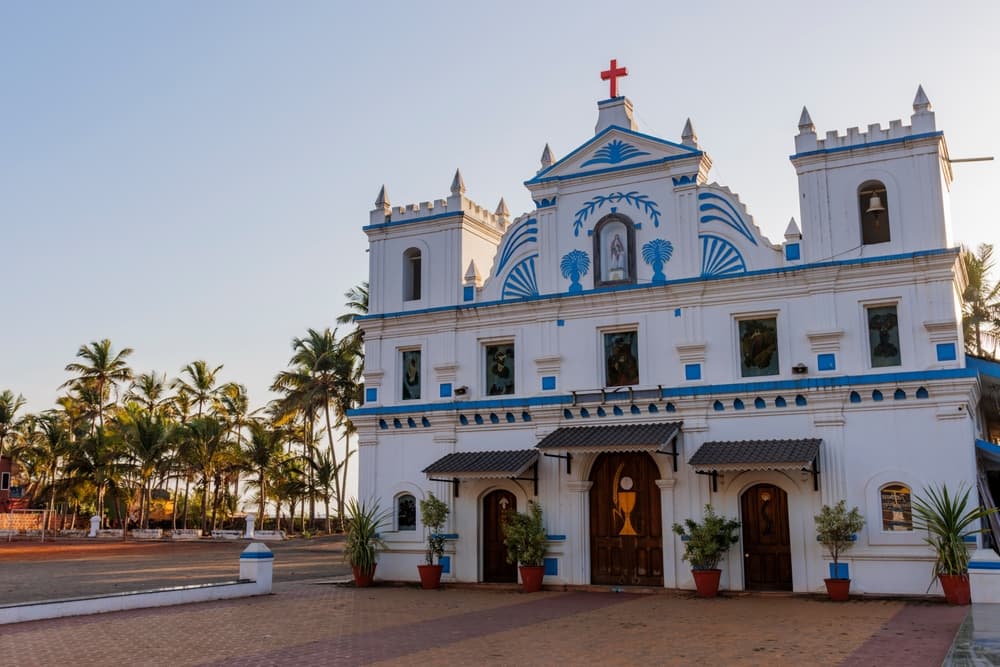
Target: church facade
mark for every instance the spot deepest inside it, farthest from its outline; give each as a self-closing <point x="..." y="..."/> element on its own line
<point x="634" y="349"/>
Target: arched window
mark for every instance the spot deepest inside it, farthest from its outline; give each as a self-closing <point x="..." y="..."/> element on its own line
<point x="897" y="512"/>
<point x="406" y="512"/>
<point x="411" y="274"/>
<point x="873" y="207"/>
<point x="614" y="251"/>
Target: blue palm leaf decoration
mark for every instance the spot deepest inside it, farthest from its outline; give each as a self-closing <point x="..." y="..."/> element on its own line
<point x="614" y="152"/>
<point x="719" y="257"/>
<point x="574" y="264"/>
<point x="521" y="282"/>
<point x="656" y="253"/>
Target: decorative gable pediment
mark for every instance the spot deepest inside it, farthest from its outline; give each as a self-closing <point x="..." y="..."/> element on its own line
<point x="615" y="148"/>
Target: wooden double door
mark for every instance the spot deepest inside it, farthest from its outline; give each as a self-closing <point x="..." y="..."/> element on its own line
<point x="626" y="529"/>
<point x="767" y="553"/>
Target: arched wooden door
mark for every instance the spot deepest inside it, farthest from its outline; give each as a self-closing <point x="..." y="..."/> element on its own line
<point x="626" y="532"/>
<point x="767" y="552"/>
<point x="496" y="505"/>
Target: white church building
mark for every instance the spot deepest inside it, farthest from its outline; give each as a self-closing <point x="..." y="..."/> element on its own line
<point x="634" y="348"/>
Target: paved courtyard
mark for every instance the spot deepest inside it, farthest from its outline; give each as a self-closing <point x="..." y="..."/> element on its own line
<point x="311" y="620"/>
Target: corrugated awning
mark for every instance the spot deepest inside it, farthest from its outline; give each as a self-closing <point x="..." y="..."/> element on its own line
<point x="612" y="438"/>
<point x="484" y="465"/>
<point x="720" y="455"/>
<point x="990" y="451"/>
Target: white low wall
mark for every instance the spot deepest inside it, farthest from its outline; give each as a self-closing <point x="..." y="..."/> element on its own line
<point x="256" y="565"/>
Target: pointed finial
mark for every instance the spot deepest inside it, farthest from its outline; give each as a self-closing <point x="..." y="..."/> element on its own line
<point x="472" y="273"/>
<point x="502" y="209"/>
<point x="548" y="158"/>
<point x="688" y="137"/>
<point x="457" y="184"/>
<point x="382" y="201"/>
<point x="806" y="122"/>
<point x="920" y="102"/>
<point x="792" y="232"/>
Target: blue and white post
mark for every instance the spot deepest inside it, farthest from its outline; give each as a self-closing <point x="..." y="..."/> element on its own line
<point x="257" y="564"/>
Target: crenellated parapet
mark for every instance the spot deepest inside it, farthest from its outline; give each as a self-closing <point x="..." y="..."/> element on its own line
<point x="922" y="123"/>
<point x="384" y="213"/>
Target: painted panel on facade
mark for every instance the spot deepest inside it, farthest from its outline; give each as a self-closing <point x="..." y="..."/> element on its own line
<point x="896" y="508"/>
<point x="621" y="353"/>
<point x="499" y="369"/>
<point x="759" y="347"/>
<point x="411" y="375"/>
<point x="883" y="336"/>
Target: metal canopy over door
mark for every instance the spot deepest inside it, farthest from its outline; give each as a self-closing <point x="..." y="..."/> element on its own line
<point x="496" y="505"/>
<point x="626" y="532"/>
<point x="767" y="553"/>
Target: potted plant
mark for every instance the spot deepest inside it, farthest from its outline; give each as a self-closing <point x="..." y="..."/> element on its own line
<point x="525" y="538"/>
<point x="433" y="514"/>
<point x="705" y="544"/>
<point x="948" y="519"/>
<point x="835" y="529"/>
<point x="363" y="542"/>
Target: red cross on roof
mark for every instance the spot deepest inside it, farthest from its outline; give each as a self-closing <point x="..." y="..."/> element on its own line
<point x="613" y="73"/>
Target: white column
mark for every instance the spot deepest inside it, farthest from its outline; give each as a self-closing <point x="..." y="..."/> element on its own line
<point x="251" y="518"/>
<point x="578" y="541"/>
<point x="257" y="564"/>
<point x="667" y="518"/>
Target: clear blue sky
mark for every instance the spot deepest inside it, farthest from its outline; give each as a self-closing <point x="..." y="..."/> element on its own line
<point x="190" y="179"/>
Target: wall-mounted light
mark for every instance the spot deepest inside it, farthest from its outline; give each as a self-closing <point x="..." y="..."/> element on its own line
<point x="462" y="391"/>
<point x="800" y="369"/>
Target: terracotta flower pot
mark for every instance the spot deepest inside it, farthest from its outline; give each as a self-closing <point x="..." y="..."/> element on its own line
<point x="363" y="579"/>
<point x="839" y="590"/>
<point x="707" y="582"/>
<point x="956" y="588"/>
<point x="430" y="576"/>
<point x="531" y="577"/>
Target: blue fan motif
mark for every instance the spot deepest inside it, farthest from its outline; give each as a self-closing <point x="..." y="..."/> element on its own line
<point x="656" y="253"/>
<point x="719" y="257"/>
<point x="574" y="264"/>
<point x="726" y="214"/>
<point x="524" y="233"/>
<point x="521" y="282"/>
<point x="614" y="152"/>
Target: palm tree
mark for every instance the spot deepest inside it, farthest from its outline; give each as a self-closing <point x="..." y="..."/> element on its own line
<point x="146" y="434"/>
<point x="357" y="306"/>
<point x="980" y="300"/>
<point x="102" y="368"/>
<point x="207" y="442"/>
<point x="9" y="405"/>
<point x="262" y="454"/>
<point x="200" y="385"/>
<point x="150" y="390"/>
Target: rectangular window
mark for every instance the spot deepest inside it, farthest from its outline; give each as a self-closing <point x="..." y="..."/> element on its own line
<point x="411" y="375"/>
<point x="758" y="346"/>
<point x="499" y="369"/>
<point x="4" y="481"/>
<point x="883" y="335"/>
<point x="621" y="358"/>
<point x="896" y="508"/>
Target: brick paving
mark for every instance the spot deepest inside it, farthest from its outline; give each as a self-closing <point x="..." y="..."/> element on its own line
<point x="314" y="622"/>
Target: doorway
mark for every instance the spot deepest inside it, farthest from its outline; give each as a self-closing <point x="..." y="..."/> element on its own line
<point x="496" y="505"/>
<point x="767" y="553"/>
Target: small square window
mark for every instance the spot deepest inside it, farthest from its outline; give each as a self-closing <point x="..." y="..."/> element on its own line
<point x="621" y="358"/>
<point x="411" y="375"/>
<point x="883" y="336"/>
<point x="758" y="346"/>
<point x="499" y="359"/>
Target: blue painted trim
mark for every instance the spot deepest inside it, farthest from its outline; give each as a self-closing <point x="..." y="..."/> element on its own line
<point x="841" y="571"/>
<point x="692" y="371"/>
<point x="551" y="566"/>
<point x="371" y="395"/>
<point x="257" y="555"/>
<point x="426" y="218"/>
<point x="598" y="138"/>
<point x="677" y="392"/>
<point x="613" y="152"/>
<point x="984" y="565"/>
<point x="445" y="563"/>
<point x="826" y="362"/>
<point x="548" y="383"/>
<point x="468" y="292"/>
<point x="983" y="366"/>
<point x="444" y="390"/>
<point x="969" y="539"/>
<point x="520" y="235"/>
<point x="792" y="252"/>
<point x="946" y="352"/>
<point x="449" y="536"/>
<point x="682" y="281"/>
<point x="884" y="142"/>
<point x="609" y="170"/>
<point x="677" y="312"/>
<point x="560" y="323"/>
<point x="545" y="202"/>
<point x="555" y="538"/>
<point x="988" y="447"/>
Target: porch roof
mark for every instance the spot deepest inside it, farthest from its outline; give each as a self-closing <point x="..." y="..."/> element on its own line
<point x="612" y="437"/>
<point x="484" y="465"/>
<point x="718" y="455"/>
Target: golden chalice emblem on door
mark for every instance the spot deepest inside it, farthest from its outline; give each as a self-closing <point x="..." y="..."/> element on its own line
<point x="624" y="501"/>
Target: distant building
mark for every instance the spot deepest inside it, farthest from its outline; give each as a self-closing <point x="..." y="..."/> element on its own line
<point x="634" y="348"/>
